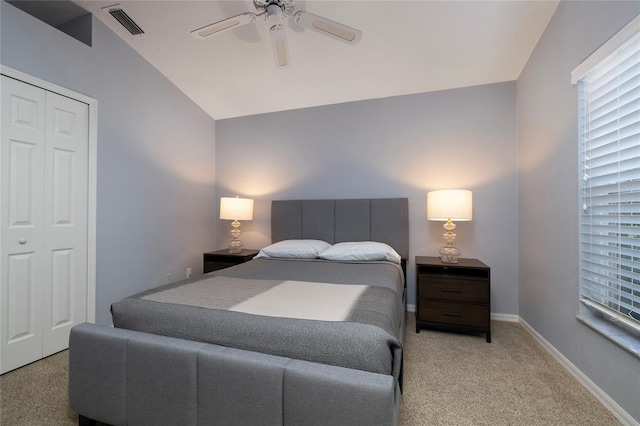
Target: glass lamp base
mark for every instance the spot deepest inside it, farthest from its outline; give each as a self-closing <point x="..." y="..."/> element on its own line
<point x="235" y="246"/>
<point x="449" y="254"/>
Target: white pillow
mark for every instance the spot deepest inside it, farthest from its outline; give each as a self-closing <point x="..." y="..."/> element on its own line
<point x="361" y="250"/>
<point x="295" y="249"/>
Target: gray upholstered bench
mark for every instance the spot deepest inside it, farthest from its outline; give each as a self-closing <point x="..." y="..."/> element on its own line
<point x="123" y="377"/>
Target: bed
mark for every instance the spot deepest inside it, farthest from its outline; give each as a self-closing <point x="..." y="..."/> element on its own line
<point x="179" y="356"/>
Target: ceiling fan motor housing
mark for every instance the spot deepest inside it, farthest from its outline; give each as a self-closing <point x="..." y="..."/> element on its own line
<point x="274" y="8"/>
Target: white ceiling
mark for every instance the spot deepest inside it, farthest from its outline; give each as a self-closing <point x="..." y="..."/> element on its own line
<point x="407" y="47"/>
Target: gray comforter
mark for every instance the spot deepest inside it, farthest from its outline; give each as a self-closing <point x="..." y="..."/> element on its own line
<point x="368" y="339"/>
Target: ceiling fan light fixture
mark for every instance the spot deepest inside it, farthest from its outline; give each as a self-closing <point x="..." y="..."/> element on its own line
<point x="224" y="25"/>
<point x="274" y="13"/>
<point x="279" y="43"/>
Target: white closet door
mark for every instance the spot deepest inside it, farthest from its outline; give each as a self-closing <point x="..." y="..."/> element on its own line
<point x="22" y="200"/>
<point x="43" y="221"/>
<point x="65" y="220"/>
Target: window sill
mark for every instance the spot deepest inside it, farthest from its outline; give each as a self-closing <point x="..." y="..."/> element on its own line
<point x="623" y="338"/>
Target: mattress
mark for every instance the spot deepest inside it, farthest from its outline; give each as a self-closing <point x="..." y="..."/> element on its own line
<point x="335" y="313"/>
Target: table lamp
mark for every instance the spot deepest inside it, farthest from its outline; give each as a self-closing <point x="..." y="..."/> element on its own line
<point x="236" y="209"/>
<point x="449" y="205"/>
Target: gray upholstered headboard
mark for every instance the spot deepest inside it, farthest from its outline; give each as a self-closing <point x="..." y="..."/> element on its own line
<point x="377" y="219"/>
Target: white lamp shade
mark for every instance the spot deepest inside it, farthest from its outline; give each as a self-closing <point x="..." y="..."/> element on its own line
<point x="454" y="204"/>
<point x="236" y="208"/>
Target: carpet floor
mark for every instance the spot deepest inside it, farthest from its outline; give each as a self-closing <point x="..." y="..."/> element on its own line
<point x="449" y="379"/>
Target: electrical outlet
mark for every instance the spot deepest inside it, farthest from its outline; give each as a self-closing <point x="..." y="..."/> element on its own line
<point x="168" y="277"/>
<point x="188" y="272"/>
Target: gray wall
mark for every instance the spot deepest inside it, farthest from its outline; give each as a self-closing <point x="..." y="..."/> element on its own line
<point x="395" y="147"/>
<point x="548" y="204"/>
<point x="155" y="185"/>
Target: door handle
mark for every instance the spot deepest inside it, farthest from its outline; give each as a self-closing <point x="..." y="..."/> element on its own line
<point x="22" y="240"/>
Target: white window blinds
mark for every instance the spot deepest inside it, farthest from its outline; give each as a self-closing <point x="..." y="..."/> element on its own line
<point x="609" y="98"/>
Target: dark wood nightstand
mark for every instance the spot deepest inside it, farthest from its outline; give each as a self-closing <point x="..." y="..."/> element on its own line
<point x="453" y="296"/>
<point x="220" y="259"/>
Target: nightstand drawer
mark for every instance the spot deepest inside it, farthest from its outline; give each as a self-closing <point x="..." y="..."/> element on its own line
<point x="454" y="314"/>
<point x="460" y="290"/>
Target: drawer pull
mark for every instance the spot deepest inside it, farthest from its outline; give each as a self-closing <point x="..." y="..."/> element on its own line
<point x="452" y="290"/>
<point x="451" y="314"/>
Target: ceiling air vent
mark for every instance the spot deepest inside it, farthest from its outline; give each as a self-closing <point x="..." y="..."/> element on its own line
<point x="121" y="16"/>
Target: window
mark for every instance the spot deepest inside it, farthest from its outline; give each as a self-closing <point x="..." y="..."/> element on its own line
<point x="609" y="132"/>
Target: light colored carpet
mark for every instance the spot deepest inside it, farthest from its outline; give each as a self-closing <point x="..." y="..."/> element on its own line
<point x="454" y="379"/>
<point x="36" y="395"/>
<point x="450" y="379"/>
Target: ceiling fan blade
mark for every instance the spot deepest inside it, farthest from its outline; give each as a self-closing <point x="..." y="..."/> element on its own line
<point x="327" y="27"/>
<point x="224" y="25"/>
<point x="279" y="43"/>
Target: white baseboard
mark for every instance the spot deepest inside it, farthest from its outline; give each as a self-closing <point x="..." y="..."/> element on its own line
<point x="624" y="417"/>
<point x="504" y="317"/>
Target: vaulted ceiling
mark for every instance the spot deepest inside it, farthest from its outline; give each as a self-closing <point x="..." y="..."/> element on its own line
<point x="406" y="47"/>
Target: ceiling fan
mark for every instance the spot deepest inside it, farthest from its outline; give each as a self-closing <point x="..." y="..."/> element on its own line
<point x="276" y="12"/>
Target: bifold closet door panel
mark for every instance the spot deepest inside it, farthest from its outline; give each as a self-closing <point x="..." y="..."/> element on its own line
<point x="21" y="232"/>
<point x="65" y="220"/>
